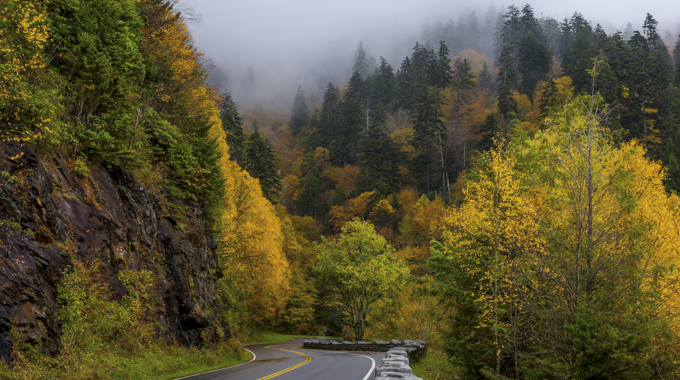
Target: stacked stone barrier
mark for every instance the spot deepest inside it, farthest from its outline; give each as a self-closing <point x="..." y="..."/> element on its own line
<point x="395" y="365"/>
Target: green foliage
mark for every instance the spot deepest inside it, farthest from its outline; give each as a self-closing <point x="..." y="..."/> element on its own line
<point x="360" y="269"/>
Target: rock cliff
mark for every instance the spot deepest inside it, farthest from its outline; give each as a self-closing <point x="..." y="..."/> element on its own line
<point x="49" y="217"/>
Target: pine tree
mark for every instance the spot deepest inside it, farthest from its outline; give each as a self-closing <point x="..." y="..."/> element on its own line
<point x="361" y="64"/>
<point x="485" y="80"/>
<point x="443" y="75"/>
<point x="384" y="83"/>
<point x="260" y="163"/>
<point x="427" y="128"/>
<point x="463" y="83"/>
<point x="487" y="131"/>
<point x="507" y="105"/>
<point x="329" y="120"/>
<point x="534" y="63"/>
<point x="378" y="158"/>
<point x="299" y="117"/>
<point x="628" y="33"/>
<point x="233" y="127"/>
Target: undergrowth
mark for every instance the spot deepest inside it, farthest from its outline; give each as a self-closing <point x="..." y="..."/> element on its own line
<point x="105" y="338"/>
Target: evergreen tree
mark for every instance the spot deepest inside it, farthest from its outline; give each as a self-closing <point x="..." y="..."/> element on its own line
<point x="473" y="32"/>
<point x="628" y="32"/>
<point x="485" y="80"/>
<point x="487" y="131"/>
<point x="352" y="122"/>
<point x="507" y="105"/>
<point x="261" y="163"/>
<point x="378" y="158"/>
<point x="509" y="38"/>
<point x="427" y="127"/>
<point x="534" y="63"/>
<point x="361" y="63"/>
<point x="551" y="32"/>
<point x="463" y="83"/>
<point x="384" y="83"/>
<point x="443" y="75"/>
<point x="529" y="24"/>
<point x="405" y="83"/>
<point x="310" y="202"/>
<point x="233" y="127"/>
<point x="299" y="117"/>
<point x="652" y="75"/>
<point x="329" y="120"/>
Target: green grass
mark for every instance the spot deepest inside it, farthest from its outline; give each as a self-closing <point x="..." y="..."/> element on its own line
<point x="265" y="336"/>
<point x="158" y="362"/>
<point x="435" y="366"/>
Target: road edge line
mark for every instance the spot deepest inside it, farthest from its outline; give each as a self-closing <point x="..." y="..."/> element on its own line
<point x="370" y="371"/>
<point x="220" y="369"/>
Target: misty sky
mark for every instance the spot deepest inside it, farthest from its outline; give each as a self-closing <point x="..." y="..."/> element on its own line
<point x="311" y="42"/>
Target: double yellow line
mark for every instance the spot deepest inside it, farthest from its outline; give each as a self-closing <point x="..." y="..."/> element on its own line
<point x="281" y="372"/>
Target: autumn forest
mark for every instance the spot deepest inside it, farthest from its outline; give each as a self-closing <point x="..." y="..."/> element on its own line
<point x="508" y="192"/>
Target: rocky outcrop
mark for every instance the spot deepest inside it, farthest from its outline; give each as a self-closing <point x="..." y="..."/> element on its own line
<point x="49" y="217"/>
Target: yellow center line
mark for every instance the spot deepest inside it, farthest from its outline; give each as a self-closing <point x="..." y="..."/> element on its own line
<point x="281" y="372"/>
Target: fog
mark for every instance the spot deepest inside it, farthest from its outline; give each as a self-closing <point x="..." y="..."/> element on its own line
<point x="312" y="42"/>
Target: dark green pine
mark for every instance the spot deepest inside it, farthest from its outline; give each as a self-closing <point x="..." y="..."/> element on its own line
<point x="233" y="127"/>
<point x="299" y="117"/>
<point x="261" y="163"/>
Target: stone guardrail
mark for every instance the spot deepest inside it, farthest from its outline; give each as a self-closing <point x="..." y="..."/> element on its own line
<point x="395" y="365"/>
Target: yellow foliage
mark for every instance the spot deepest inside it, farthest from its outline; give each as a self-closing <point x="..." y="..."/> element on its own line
<point x="475" y="59"/>
<point x="252" y="244"/>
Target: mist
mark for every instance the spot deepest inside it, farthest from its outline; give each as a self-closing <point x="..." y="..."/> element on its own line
<point x="286" y="44"/>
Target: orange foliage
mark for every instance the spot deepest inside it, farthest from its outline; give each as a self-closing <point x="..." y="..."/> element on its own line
<point x="357" y="207"/>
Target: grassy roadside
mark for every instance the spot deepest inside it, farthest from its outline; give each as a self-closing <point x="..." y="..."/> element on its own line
<point x="157" y="362"/>
<point x="265" y="336"/>
<point x="435" y="365"/>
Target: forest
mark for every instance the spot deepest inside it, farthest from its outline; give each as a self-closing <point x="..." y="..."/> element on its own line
<point x="508" y="194"/>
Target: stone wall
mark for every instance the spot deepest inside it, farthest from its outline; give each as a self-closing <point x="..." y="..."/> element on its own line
<point x="395" y="365"/>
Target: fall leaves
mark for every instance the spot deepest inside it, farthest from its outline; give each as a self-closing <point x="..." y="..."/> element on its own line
<point x="557" y="234"/>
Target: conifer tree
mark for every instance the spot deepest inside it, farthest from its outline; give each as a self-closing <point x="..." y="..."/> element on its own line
<point x="443" y="75"/>
<point x="487" y="131"/>
<point x="330" y="115"/>
<point x="378" y="158"/>
<point x="260" y="163"/>
<point x="534" y="63"/>
<point x="361" y="62"/>
<point x="233" y="127"/>
<point x="507" y="105"/>
<point x="485" y="80"/>
<point x="427" y="127"/>
<point x="384" y="83"/>
<point x="299" y="117"/>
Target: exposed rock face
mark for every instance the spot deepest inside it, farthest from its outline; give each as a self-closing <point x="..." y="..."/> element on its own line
<point x="48" y="217"/>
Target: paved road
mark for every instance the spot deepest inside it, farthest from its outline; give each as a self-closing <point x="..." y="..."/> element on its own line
<point x="288" y="361"/>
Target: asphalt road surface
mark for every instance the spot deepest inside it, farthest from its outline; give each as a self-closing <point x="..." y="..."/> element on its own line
<point x="288" y="361"/>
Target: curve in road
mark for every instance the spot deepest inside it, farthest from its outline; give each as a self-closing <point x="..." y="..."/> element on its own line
<point x="288" y="361"/>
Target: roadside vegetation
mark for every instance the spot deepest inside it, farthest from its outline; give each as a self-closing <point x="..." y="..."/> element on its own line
<point x="518" y="210"/>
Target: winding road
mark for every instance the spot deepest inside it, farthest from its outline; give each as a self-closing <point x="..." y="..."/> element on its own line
<point x="289" y="361"/>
